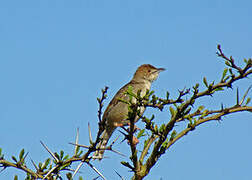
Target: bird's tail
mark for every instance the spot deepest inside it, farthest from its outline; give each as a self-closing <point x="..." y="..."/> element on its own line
<point x="103" y="143"/>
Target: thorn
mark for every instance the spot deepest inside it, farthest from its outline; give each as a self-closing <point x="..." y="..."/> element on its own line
<point x="125" y="136"/>
<point x="97" y="157"/>
<point x="50" y="152"/>
<point x="123" y="129"/>
<point x="3" y="169"/>
<point x="114" y="140"/>
<point x="34" y="165"/>
<point x="96" y="170"/>
<point x="219" y="120"/>
<point x="222" y="107"/>
<point x="49" y="172"/>
<point x="90" y="135"/>
<point x="84" y="146"/>
<point x="237" y="97"/>
<point x="26" y="155"/>
<point x="244" y="96"/>
<point x="117" y="152"/>
<point x="76" y="141"/>
<point x="72" y="170"/>
<point x="77" y="169"/>
<point x="229" y="86"/>
<point x="119" y="175"/>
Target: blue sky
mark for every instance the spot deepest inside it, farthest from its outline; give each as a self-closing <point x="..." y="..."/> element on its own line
<point x="56" y="55"/>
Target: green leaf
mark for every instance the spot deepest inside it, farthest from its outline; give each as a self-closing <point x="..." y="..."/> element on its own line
<point x="172" y="111"/>
<point x="226" y="78"/>
<point x="187" y="111"/>
<point x="249" y="61"/>
<point x="61" y="154"/>
<point x="124" y="101"/>
<point x="196" y="87"/>
<point x="200" y="108"/>
<point x="248" y="101"/>
<point x="173" y="135"/>
<point x="205" y="81"/>
<point x="28" y="176"/>
<point x="65" y="165"/>
<point x="130" y="93"/>
<point x="205" y="113"/>
<point x="57" y="155"/>
<point x="78" y="155"/>
<point x="228" y="63"/>
<point x="141" y="133"/>
<point x="167" y="95"/>
<point x="130" y="89"/>
<point x="156" y="128"/>
<point x="126" y="164"/>
<point x="21" y="154"/>
<point x="224" y="74"/>
<point x="145" y="143"/>
<point x="69" y="176"/>
<point x="164" y="144"/>
<point x="80" y="178"/>
<point x="190" y="123"/>
<point x="99" y="100"/>
<point x="16" y="177"/>
<point x="230" y="71"/>
<point x="162" y="128"/>
<point x="66" y="157"/>
<point x="245" y="60"/>
<point x="76" y="150"/>
<point x="14" y="158"/>
<point x="47" y="161"/>
<point x="150" y="93"/>
<point x="218" y="89"/>
<point x="152" y="117"/>
<point x="139" y="93"/>
<point x="40" y="165"/>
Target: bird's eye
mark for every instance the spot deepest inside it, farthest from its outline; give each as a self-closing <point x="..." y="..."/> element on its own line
<point x="149" y="70"/>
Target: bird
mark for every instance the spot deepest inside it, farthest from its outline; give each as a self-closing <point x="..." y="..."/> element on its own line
<point x="116" y="113"/>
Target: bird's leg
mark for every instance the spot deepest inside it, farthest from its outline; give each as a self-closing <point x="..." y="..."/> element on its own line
<point x="135" y="141"/>
<point x="126" y="124"/>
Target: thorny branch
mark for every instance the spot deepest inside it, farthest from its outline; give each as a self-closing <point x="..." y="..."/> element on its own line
<point x="182" y="111"/>
<point x="159" y="138"/>
<point x="61" y="162"/>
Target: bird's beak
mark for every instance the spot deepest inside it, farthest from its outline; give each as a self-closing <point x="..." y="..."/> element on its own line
<point x="160" y="69"/>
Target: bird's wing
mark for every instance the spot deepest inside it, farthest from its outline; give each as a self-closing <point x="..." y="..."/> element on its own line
<point x="115" y="101"/>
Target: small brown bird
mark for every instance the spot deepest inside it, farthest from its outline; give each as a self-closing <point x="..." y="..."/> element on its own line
<point x="116" y="113"/>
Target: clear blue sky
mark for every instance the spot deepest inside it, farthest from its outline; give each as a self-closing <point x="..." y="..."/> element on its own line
<point x="56" y="55"/>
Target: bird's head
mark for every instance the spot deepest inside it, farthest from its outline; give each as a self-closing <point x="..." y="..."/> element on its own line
<point x="147" y="72"/>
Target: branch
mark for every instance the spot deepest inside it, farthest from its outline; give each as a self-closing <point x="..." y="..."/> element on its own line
<point x="182" y="112"/>
<point x="214" y="117"/>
